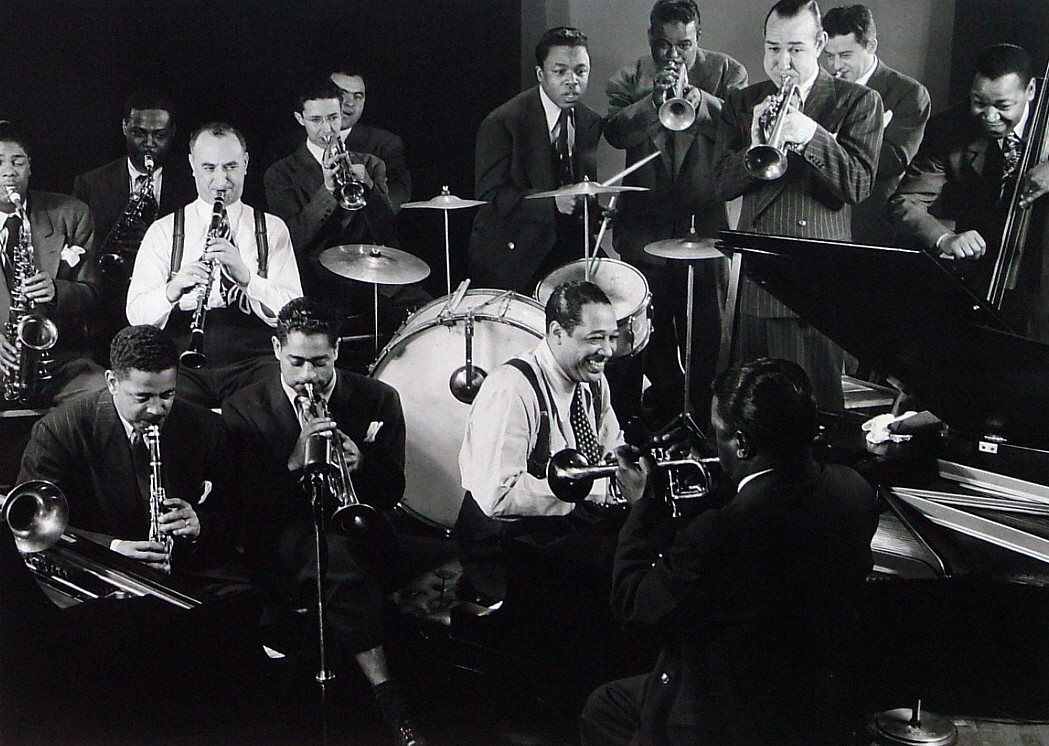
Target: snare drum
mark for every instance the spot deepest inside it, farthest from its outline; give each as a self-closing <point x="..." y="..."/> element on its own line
<point x="624" y="285"/>
<point x="419" y="362"/>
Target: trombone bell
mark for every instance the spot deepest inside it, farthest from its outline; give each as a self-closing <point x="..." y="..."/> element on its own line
<point x="37" y="513"/>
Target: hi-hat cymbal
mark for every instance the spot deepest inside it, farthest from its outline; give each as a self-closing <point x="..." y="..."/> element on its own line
<point x="445" y="201"/>
<point x="685" y="248"/>
<point x="586" y="189"/>
<point x="377" y="264"/>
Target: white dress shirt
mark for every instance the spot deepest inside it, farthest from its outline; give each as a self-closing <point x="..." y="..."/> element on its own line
<point x="553" y="114"/>
<point x="502" y="430"/>
<point x="134" y="173"/>
<point x="147" y="302"/>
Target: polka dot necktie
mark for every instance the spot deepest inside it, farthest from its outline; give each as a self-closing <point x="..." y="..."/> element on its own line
<point x="1012" y="149"/>
<point x="585" y="440"/>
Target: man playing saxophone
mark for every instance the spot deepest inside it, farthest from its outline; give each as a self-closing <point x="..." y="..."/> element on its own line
<point x="254" y="267"/>
<point x="271" y="424"/>
<point x="96" y="449"/>
<point x="48" y="270"/>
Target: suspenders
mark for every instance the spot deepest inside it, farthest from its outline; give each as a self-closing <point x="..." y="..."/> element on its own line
<point x="178" y="242"/>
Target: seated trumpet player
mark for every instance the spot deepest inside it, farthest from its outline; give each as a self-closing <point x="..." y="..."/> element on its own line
<point x="48" y="287"/>
<point x="330" y="196"/>
<point x="754" y="598"/>
<point x="553" y="398"/>
<point x="214" y="274"/>
<point x="145" y="474"/>
<point x="801" y="148"/>
<point x="273" y="423"/>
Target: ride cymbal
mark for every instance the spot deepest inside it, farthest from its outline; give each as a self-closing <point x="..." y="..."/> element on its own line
<point x="376" y="264"/>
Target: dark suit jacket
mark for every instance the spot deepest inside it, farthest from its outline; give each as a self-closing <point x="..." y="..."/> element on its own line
<point x="813" y="198"/>
<point x="511" y="235"/>
<point x="908" y="100"/>
<point x="81" y="446"/>
<point x="106" y="191"/>
<point x="58" y="222"/>
<point x="681" y="181"/>
<point x="389" y="147"/>
<point x="264" y="428"/>
<point x="296" y="193"/>
<point x="754" y="602"/>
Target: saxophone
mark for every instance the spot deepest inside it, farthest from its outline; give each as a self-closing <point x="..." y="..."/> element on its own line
<point x="117" y="257"/>
<point x="31" y="333"/>
<point x="157" y="494"/>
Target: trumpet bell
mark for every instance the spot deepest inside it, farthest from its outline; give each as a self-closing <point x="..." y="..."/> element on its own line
<point x="571" y="476"/>
<point x="37" y="332"/>
<point x="353" y="519"/>
<point x="765" y="162"/>
<point x="677" y="114"/>
<point x="37" y="513"/>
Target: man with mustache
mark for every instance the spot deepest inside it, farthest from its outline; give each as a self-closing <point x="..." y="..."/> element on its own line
<point x="537" y="141"/>
<point x="93" y="449"/>
<point x="554" y="397"/>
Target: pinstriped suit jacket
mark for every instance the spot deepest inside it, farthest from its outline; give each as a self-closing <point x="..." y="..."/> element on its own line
<point x="813" y="198"/>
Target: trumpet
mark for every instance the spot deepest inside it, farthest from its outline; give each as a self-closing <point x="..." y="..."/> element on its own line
<point x="31" y="333"/>
<point x="768" y="161"/>
<point x="194" y="356"/>
<point x="324" y="463"/>
<point x="157" y="493"/>
<point x="677" y="113"/>
<point x="349" y="191"/>
<point x="37" y="513"/>
<point x="121" y="245"/>
<point x="571" y="477"/>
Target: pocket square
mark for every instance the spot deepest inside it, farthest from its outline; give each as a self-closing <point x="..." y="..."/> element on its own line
<point x="373" y="430"/>
<point x="71" y="255"/>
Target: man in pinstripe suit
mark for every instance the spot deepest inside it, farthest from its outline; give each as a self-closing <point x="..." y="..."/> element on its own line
<point x="833" y="139"/>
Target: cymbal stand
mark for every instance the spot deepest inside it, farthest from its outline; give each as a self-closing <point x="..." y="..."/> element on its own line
<point x="612" y="206"/>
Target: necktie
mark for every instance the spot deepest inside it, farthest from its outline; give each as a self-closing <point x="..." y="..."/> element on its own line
<point x="585" y="441"/>
<point x="232" y="294"/>
<point x="14" y="231"/>
<point x="565" y="171"/>
<point x="1012" y="149"/>
<point x="144" y="186"/>
<point x="140" y="460"/>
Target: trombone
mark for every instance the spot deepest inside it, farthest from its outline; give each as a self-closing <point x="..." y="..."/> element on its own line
<point x="37" y="513"/>
<point x="768" y="161"/>
<point x="677" y="113"/>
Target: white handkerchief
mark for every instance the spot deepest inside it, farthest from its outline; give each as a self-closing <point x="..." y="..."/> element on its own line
<point x="373" y="430"/>
<point x="885" y="119"/>
<point x="71" y="255"/>
<point x="877" y="428"/>
<point x="205" y="489"/>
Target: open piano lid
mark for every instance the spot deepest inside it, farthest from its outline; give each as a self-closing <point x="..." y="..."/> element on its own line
<point x="905" y="315"/>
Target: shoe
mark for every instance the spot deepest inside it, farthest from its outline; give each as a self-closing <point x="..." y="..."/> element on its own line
<point x="407" y="734"/>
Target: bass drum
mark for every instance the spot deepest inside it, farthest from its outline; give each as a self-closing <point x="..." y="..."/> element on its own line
<point x="419" y="362"/>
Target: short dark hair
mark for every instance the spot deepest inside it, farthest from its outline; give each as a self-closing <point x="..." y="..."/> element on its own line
<point x="794" y="8"/>
<point x="318" y="90"/>
<point x="851" y="19"/>
<point x="144" y="347"/>
<point x="218" y="129"/>
<point x="350" y="69"/>
<point x="565" y="304"/>
<point x="309" y="317"/>
<point x="148" y="98"/>
<point x="561" y="36"/>
<point x="673" y="11"/>
<point x="1001" y="59"/>
<point x="771" y="401"/>
<point x="11" y="132"/>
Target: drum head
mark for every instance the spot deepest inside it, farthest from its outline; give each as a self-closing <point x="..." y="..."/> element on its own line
<point x="419" y="363"/>
<point x="624" y="285"/>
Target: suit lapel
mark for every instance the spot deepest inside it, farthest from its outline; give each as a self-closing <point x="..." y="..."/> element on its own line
<point x="770" y="190"/>
<point x="114" y="457"/>
<point x="46" y="245"/>
<point x="541" y="164"/>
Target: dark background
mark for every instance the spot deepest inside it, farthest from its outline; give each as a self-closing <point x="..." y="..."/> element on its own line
<point x="433" y="69"/>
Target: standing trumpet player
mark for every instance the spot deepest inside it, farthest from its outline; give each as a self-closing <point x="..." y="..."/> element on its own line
<point x="56" y="277"/>
<point x="271" y="423"/>
<point x="830" y="136"/>
<point x="682" y="197"/>
<point x="250" y="255"/>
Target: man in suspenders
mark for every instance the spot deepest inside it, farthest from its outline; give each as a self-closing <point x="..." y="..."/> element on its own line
<point x="552" y="398"/>
<point x="255" y="272"/>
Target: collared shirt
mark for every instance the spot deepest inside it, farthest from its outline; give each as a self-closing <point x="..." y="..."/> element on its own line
<point x="1021" y="126"/>
<point x="293" y="395"/>
<point x="865" y="78"/>
<point x="553" y="114"/>
<point x="134" y="173"/>
<point x="805" y="87"/>
<point x="317" y="152"/>
<point x="502" y="430"/>
<point x="129" y="429"/>
<point x="147" y="301"/>
<point x="750" y="478"/>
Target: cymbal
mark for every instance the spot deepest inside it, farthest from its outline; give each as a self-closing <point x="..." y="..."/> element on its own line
<point x="445" y="201"/>
<point x="685" y="248"/>
<point x="376" y="264"/>
<point x="586" y="189"/>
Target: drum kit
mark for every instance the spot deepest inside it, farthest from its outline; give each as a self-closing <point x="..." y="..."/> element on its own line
<point x="439" y="357"/>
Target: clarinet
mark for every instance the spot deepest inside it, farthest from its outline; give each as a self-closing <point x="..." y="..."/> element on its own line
<point x="194" y="356"/>
<point x="157" y="494"/>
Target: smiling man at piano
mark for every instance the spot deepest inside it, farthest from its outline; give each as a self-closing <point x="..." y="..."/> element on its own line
<point x="94" y="448"/>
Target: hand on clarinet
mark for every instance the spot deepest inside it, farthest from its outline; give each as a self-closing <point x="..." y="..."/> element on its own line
<point x="150" y="552"/>
<point x="186" y="280"/>
<point x="181" y="520"/>
<point x="228" y="256"/>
